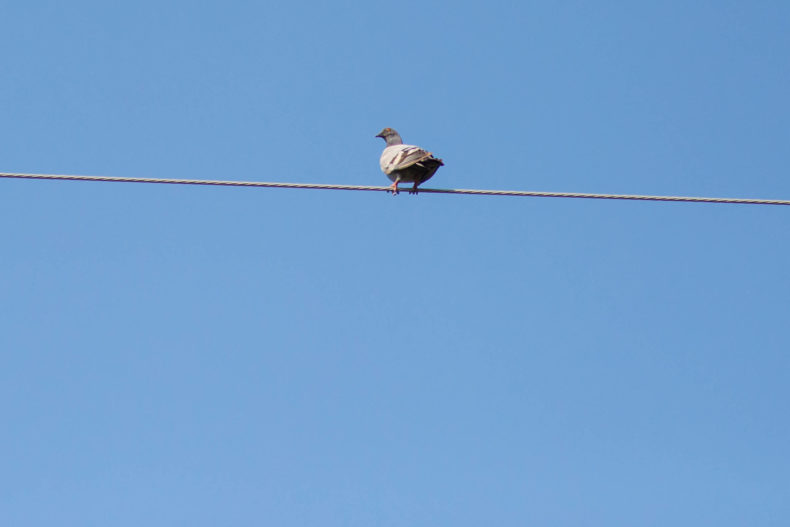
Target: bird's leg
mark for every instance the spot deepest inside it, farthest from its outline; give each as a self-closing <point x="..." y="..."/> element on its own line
<point x="414" y="190"/>
<point x="394" y="187"/>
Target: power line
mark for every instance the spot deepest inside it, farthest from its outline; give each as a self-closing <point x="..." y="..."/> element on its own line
<point x="320" y="186"/>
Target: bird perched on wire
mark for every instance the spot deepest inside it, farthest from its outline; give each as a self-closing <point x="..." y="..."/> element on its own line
<point x="407" y="163"/>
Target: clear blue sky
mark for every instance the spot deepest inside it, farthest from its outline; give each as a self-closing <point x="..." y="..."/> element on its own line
<point x="175" y="355"/>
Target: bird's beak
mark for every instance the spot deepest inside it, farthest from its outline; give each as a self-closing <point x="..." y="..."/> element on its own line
<point x="380" y="135"/>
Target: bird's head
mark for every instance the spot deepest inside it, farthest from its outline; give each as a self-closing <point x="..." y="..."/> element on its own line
<point x="390" y="136"/>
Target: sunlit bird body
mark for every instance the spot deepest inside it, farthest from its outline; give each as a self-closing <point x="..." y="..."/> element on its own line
<point x="406" y="163"/>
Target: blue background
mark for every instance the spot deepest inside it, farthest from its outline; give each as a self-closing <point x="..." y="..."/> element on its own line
<point x="174" y="355"/>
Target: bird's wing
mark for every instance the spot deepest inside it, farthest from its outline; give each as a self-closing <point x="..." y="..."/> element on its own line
<point x="398" y="157"/>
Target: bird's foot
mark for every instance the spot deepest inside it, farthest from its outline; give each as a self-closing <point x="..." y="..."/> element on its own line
<point x="414" y="190"/>
<point x="394" y="189"/>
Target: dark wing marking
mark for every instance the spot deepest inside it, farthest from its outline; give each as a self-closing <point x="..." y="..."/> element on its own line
<point x="408" y="157"/>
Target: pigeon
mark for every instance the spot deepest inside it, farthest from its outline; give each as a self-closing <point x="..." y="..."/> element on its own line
<point x="407" y="163"/>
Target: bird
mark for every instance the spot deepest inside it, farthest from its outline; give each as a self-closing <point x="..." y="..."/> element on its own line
<point x="407" y="163"/>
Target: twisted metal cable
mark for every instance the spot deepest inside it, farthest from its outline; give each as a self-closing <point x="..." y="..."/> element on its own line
<point x="320" y="186"/>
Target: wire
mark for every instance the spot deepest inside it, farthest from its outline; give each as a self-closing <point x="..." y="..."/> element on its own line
<point x="319" y="186"/>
